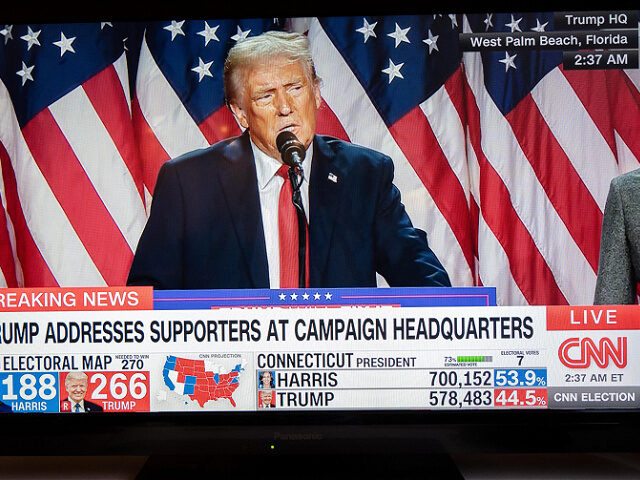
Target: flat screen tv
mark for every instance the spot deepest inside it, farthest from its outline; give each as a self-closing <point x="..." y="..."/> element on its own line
<point x="504" y="130"/>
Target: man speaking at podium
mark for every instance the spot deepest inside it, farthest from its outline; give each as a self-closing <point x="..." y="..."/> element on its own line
<point x="223" y="217"/>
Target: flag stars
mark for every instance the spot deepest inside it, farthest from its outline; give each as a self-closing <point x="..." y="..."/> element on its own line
<point x="202" y="69"/>
<point x="393" y="70"/>
<point x="400" y="35"/>
<point x="432" y="42"/>
<point x="305" y="296"/>
<point x="209" y="33"/>
<point x="175" y="28"/>
<point x="514" y="25"/>
<point x="488" y="21"/>
<point x="540" y="27"/>
<point x="240" y="34"/>
<point x="6" y="33"/>
<point x="65" y="44"/>
<point x="31" y="38"/>
<point x="508" y="61"/>
<point x="25" y="73"/>
<point x="367" y="30"/>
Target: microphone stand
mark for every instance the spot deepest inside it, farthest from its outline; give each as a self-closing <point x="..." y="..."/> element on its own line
<point x="297" y="178"/>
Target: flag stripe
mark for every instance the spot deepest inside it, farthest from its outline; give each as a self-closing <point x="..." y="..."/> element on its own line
<point x="557" y="101"/>
<point x="31" y="268"/>
<point x="626" y="158"/>
<point x="590" y="87"/>
<point x="168" y="118"/>
<point x="219" y="125"/>
<point x="452" y="139"/>
<point x="631" y="79"/>
<point x="528" y="267"/>
<point x="81" y="203"/>
<point x="560" y="181"/>
<point x="152" y="155"/>
<point x="363" y="125"/>
<point x="493" y="267"/>
<point x="7" y="265"/>
<point x="328" y="123"/>
<point x="625" y="116"/>
<point x="609" y="97"/>
<point x="416" y="139"/>
<point x="532" y="274"/>
<point x="8" y="275"/>
<point x="527" y="197"/>
<point x="102" y="166"/>
<point x="107" y="98"/>
<point x="44" y="239"/>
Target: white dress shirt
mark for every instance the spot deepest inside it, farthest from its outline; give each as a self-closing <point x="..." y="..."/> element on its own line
<point x="269" y="184"/>
<point x="73" y="406"/>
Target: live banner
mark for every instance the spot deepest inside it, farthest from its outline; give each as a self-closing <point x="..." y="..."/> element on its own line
<point x="135" y="350"/>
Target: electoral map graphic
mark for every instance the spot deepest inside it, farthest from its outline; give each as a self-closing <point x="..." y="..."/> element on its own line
<point x="207" y="383"/>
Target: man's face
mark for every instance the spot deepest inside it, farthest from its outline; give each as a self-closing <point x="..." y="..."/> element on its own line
<point x="77" y="389"/>
<point x="277" y="96"/>
<point x="266" y="396"/>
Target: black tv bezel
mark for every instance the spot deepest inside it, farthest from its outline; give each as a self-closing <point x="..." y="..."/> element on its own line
<point x="324" y="433"/>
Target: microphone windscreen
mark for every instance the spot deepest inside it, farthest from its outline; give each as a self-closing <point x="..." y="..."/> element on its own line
<point x="290" y="148"/>
<point x="284" y="138"/>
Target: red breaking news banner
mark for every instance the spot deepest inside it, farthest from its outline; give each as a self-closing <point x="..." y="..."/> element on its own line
<point x="80" y="298"/>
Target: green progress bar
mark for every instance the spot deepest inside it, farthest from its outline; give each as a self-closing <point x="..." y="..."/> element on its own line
<point x="474" y="358"/>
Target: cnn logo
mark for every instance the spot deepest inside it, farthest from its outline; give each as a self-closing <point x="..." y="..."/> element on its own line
<point x="580" y="352"/>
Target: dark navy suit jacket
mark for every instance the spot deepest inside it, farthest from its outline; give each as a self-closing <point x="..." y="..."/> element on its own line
<point x="205" y="227"/>
<point x="88" y="406"/>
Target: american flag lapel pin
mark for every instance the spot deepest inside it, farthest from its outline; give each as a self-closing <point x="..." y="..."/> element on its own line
<point x="333" y="177"/>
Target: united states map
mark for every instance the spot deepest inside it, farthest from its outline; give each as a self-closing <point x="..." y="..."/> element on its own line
<point x="192" y="378"/>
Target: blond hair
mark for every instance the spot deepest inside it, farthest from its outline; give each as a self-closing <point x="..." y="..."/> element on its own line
<point x="75" y="376"/>
<point x="261" y="49"/>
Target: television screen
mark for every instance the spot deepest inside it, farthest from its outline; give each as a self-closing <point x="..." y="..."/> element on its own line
<point x="462" y="256"/>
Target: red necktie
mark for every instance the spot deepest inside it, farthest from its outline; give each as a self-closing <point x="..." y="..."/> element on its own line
<point x="288" y="231"/>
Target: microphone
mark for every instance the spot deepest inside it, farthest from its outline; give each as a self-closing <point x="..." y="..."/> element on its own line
<point x="291" y="150"/>
<point x="292" y="153"/>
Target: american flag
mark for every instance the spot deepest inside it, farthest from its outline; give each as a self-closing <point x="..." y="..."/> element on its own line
<point x="72" y="193"/>
<point x="89" y="111"/>
<point x="179" y="103"/>
<point x="503" y="158"/>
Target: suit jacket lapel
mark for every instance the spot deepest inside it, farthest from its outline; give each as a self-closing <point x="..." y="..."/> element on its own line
<point x="325" y="193"/>
<point x="239" y="182"/>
